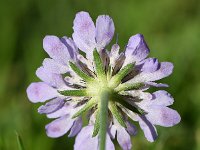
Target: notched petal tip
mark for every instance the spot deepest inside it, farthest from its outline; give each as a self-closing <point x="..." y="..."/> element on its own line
<point x="59" y="127"/>
<point x="40" y="92"/>
<point x="167" y="68"/>
<point x="137" y="48"/>
<point x="104" y="30"/>
<point x="163" y="116"/>
<point x="124" y="139"/>
<point x="84" y="32"/>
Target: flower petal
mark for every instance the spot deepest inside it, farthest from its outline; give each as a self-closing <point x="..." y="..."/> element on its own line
<point x="51" y="106"/>
<point x="59" y="127"/>
<point x="132" y="130"/>
<point x="148" y="128"/>
<point x="113" y="131"/>
<point x="165" y="70"/>
<point x="56" y="49"/>
<point x="162" y="98"/>
<point x="52" y="79"/>
<point x="40" y="92"/>
<point x="84" y="32"/>
<point x="104" y="31"/>
<point x="150" y="65"/>
<point x="76" y="128"/>
<point x="114" y="54"/>
<point x="52" y="66"/>
<point x="163" y="116"/>
<point x="156" y="84"/>
<point x="109" y="143"/>
<point x="72" y="49"/>
<point x="85" y="141"/>
<point x="65" y="110"/>
<point x="123" y="139"/>
<point x="136" y="49"/>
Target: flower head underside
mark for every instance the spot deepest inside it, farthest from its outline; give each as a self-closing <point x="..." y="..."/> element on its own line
<point x="81" y="70"/>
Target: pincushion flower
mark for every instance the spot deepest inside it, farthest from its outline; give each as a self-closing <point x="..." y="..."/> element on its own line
<point x="82" y="78"/>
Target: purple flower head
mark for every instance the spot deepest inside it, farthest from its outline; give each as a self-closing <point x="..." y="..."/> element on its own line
<point x="72" y="83"/>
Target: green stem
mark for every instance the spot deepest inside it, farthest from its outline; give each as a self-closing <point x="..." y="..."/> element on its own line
<point x="103" y="118"/>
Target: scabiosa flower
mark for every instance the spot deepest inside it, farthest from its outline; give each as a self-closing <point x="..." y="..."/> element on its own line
<point x="83" y="78"/>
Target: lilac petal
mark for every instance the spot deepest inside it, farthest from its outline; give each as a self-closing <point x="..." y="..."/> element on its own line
<point x="162" y="98"/>
<point x="76" y="128"/>
<point x="148" y="128"/>
<point x="84" y="32"/>
<point x="65" y="110"/>
<point x="131" y="114"/>
<point x="40" y="92"/>
<point x="156" y="84"/>
<point x="140" y="94"/>
<point x="132" y="130"/>
<point x="88" y="63"/>
<point x="104" y="31"/>
<point x="85" y="141"/>
<point x="165" y="70"/>
<point x="56" y="49"/>
<point x="123" y="139"/>
<point x="51" y="106"/>
<point x="113" y="131"/>
<point x="109" y="143"/>
<point x="72" y="48"/>
<point x="163" y="116"/>
<point x="52" y="79"/>
<point x="52" y="66"/>
<point x="59" y="127"/>
<point x="150" y="65"/>
<point x="136" y="49"/>
<point x="114" y="54"/>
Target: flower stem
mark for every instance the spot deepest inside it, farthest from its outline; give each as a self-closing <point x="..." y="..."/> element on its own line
<point x="103" y="118"/>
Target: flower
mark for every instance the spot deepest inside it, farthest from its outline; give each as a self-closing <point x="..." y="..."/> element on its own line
<point x="80" y="70"/>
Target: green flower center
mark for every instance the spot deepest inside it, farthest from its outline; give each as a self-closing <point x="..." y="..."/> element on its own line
<point x="103" y="91"/>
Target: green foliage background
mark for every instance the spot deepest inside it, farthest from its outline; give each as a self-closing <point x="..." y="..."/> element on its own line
<point x="171" y="28"/>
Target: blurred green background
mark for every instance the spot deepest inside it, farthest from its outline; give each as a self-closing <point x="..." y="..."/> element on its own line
<point x="171" y="29"/>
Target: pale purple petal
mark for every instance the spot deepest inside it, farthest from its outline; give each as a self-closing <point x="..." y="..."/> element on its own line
<point x="148" y="128"/>
<point x="51" y="106"/>
<point x="136" y="49"/>
<point x="40" y="92"/>
<point x="162" y="98"/>
<point x="53" y="66"/>
<point x="67" y="109"/>
<point x="76" y="128"/>
<point x="165" y="70"/>
<point x="113" y="131"/>
<point x="85" y="141"/>
<point x="131" y="114"/>
<point x="59" y="127"/>
<point x="123" y="138"/>
<point x="115" y="50"/>
<point x="150" y="65"/>
<point x="132" y="130"/>
<point x="56" y="49"/>
<point x="114" y="54"/>
<point x="104" y="31"/>
<point x="109" y="143"/>
<point x="156" y="84"/>
<point x="50" y="78"/>
<point x="163" y="116"/>
<point x="84" y="32"/>
<point x="72" y="48"/>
